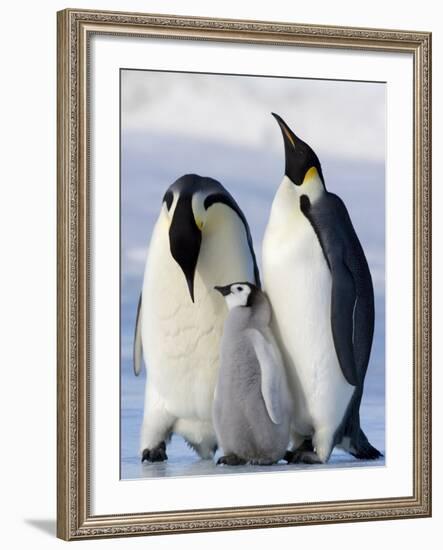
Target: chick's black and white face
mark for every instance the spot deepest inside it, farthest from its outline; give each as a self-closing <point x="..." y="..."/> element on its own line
<point x="239" y="295"/>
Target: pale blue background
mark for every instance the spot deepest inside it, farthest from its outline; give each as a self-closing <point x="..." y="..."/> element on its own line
<point x="220" y="126"/>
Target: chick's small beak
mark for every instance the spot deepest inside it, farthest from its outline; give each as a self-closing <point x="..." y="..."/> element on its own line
<point x="224" y="290"/>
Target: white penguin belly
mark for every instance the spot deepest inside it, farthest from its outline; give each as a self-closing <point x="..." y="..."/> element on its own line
<point x="181" y="339"/>
<point x="298" y="282"/>
<point x="181" y="342"/>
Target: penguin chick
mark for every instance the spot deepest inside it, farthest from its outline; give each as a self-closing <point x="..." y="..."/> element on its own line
<point x="251" y="412"/>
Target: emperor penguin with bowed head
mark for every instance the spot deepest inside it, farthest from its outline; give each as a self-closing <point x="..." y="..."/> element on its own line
<point x="320" y="288"/>
<point x="252" y="403"/>
<point x="201" y="239"/>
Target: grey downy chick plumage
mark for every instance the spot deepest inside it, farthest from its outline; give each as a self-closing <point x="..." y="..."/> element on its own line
<point x="251" y="412"/>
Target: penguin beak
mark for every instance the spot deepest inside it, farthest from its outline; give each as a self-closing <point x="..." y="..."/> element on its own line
<point x="224" y="290"/>
<point x="299" y="157"/>
<point x="185" y="240"/>
<point x="291" y="144"/>
<point x="289" y="138"/>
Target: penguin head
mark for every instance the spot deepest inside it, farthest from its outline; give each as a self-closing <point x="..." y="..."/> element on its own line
<point x="302" y="166"/>
<point x="238" y="294"/>
<point x="187" y="205"/>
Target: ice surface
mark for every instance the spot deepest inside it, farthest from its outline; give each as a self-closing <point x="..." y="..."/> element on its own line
<point x="182" y="461"/>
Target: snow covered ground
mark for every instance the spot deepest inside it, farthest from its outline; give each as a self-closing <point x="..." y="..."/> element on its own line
<point x="244" y="152"/>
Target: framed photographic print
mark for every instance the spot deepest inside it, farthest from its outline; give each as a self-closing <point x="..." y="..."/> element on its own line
<point x="244" y="292"/>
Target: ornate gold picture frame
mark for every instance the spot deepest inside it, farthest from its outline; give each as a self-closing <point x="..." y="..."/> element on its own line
<point x="75" y="519"/>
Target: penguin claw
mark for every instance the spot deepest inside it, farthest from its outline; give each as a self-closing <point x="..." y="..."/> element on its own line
<point x="156" y="454"/>
<point x="231" y="460"/>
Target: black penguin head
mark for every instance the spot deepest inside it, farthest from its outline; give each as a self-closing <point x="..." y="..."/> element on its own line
<point x="188" y="202"/>
<point x="301" y="162"/>
<point x="240" y="294"/>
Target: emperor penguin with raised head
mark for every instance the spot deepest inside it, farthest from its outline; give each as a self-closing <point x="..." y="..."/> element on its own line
<point x="201" y="239"/>
<point x="320" y="288"/>
<point x="252" y="403"/>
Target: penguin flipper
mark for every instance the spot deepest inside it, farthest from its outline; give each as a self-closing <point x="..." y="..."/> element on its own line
<point x="343" y="303"/>
<point x="137" y="349"/>
<point x="271" y="369"/>
<point x="351" y="317"/>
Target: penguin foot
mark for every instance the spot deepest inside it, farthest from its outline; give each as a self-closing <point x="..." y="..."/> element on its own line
<point x="289" y="456"/>
<point x="304" y="454"/>
<point x="231" y="460"/>
<point x="362" y="449"/>
<point x="302" y="457"/>
<point x="367" y="452"/>
<point x="157" y="454"/>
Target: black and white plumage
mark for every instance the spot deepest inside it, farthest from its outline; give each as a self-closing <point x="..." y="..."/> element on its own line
<point x="320" y="287"/>
<point x="252" y="403"/>
<point x="201" y="239"/>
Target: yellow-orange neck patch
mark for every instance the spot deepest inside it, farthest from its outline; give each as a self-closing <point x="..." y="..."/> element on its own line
<point x="311" y="174"/>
